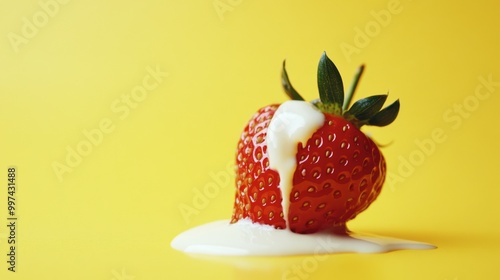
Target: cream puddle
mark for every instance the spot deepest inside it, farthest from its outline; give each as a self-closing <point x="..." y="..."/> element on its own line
<point x="245" y="238"/>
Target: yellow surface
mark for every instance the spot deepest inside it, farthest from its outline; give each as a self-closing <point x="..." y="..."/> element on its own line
<point x="152" y="96"/>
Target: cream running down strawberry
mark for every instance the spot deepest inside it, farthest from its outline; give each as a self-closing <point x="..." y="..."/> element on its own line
<point x="303" y="170"/>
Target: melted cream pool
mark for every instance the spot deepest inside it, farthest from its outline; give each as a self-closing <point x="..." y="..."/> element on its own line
<point x="245" y="238"/>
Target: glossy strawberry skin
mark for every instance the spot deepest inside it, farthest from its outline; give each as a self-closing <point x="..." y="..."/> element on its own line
<point x="258" y="196"/>
<point x="339" y="173"/>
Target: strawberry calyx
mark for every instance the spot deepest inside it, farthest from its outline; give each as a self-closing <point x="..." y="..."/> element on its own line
<point x="366" y="111"/>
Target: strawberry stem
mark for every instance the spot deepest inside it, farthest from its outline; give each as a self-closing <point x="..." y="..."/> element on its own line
<point x="352" y="88"/>
<point x="332" y="100"/>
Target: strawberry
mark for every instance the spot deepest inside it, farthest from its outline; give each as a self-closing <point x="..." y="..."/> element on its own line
<point x="338" y="171"/>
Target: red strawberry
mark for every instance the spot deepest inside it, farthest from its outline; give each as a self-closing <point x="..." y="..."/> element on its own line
<point x="338" y="173"/>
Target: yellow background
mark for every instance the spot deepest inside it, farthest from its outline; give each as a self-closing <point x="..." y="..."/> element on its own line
<point x="65" y="67"/>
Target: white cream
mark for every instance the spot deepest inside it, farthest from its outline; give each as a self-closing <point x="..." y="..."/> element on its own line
<point x="245" y="238"/>
<point x="294" y="122"/>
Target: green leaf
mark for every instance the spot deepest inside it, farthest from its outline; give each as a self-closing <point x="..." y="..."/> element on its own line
<point x="287" y="86"/>
<point x="366" y="108"/>
<point x="331" y="89"/>
<point x="385" y="116"/>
